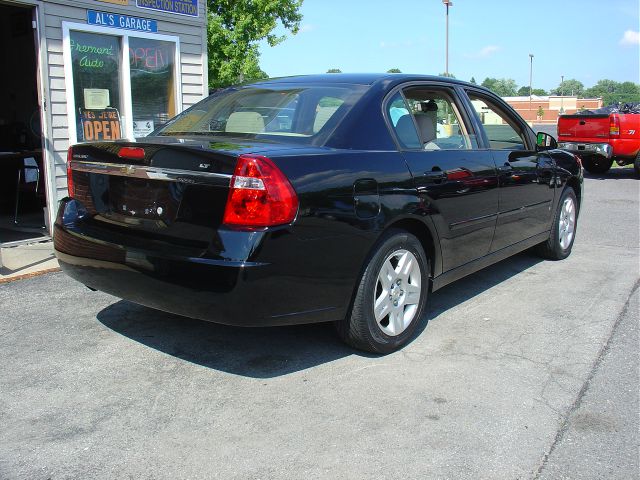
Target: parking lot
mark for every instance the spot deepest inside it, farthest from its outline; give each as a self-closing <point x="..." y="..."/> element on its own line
<point x="528" y="369"/>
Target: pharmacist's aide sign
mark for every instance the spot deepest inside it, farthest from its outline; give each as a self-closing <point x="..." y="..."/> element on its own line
<point x="103" y="124"/>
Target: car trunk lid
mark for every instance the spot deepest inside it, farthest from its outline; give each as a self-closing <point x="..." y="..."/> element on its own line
<point x="171" y="189"/>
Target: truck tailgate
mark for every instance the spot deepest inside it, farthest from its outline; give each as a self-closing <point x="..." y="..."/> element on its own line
<point x="593" y="127"/>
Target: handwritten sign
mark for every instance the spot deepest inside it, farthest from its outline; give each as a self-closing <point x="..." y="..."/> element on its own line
<point x="100" y="125"/>
<point x="126" y="22"/>
<point x="181" y="7"/>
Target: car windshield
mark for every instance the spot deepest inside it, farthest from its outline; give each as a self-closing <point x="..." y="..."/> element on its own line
<point x="297" y="111"/>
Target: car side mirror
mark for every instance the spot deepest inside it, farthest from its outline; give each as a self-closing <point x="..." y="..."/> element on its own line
<point x="544" y="141"/>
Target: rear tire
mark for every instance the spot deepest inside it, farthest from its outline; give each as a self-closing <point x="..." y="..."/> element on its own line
<point x="636" y="165"/>
<point x="391" y="296"/>
<point x="597" y="164"/>
<point x="563" y="229"/>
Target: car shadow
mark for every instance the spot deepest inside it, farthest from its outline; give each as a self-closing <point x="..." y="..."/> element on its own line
<point x="477" y="283"/>
<point x="615" y="173"/>
<point x="274" y="351"/>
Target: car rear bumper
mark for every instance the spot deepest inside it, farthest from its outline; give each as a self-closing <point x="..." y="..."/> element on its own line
<point x="581" y="148"/>
<point x="240" y="293"/>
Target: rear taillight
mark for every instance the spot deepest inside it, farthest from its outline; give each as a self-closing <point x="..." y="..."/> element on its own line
<point x="132" y="153"/>
<point x="70" y="187"/>
<point x="614" y="125"/>
<point x="260" y="195"/>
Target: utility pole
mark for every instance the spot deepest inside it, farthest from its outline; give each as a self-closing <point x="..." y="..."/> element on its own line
<point x="530" y="81"/>
<point x="561" y="94"/>
<point x="447" y="3"/>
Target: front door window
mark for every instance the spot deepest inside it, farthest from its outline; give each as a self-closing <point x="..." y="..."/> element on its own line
<point x="501" y="131"/>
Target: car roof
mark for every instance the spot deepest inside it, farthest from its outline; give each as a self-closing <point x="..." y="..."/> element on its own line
<point x="359" y="78"/>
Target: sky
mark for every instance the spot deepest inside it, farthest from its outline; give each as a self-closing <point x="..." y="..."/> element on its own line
<point x="588" y="40"/>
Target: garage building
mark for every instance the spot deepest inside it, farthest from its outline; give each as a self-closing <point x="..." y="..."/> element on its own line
<point x="85" y="70"/>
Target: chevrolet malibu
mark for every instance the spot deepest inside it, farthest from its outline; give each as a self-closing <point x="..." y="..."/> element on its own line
<point x="329" y="198"/>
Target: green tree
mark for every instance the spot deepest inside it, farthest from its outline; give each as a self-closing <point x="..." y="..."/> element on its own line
<point x="394" y="70"/>
<point x="504" y="87"/>
<point x="234" y="28"/>
<point x="473" y="80"/>
<point x="540" y="112"/>
<point x="613" y="92"/>
<point x="334" y="70"/>
<point x="569" y="87"/>
<point x="524" y="91"/>
<point x="444" y="74"/>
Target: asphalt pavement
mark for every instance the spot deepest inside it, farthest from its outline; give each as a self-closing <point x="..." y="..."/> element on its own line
<point x="526" y="370"/>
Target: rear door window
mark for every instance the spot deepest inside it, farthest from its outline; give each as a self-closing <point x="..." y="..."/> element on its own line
<point x="402" y="122"/>
<point x="435" y="117"/>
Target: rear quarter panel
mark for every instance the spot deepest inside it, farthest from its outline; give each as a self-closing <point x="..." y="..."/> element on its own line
<point x="332" y="237"/>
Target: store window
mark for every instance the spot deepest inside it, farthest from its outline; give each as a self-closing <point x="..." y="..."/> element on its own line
<point x="96" y="85"/>
<point x="151" y="63"/>
<point x="123" y="84"/>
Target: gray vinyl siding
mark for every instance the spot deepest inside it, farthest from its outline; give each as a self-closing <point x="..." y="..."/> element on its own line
<point x="193" y="65"/>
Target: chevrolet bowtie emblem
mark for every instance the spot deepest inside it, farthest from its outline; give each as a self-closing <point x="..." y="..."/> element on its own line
<point x="128" y="170"/>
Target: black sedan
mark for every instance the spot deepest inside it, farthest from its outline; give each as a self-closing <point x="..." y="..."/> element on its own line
<point x="343" y="198"/>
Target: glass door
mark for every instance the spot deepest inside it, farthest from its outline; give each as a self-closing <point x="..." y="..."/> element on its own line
<point x="96" y="64"/>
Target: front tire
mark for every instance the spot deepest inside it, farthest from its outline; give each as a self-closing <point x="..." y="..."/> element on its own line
<point x="391" y="296"/>
<point x="563" y="229"/>
<point x="597" y="164"/>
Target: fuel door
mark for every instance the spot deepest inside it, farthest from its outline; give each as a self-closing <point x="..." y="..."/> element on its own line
<point x="365" y="198"/>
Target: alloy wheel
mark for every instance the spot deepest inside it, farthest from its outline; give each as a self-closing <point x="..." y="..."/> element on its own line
<point x="567" y="223"/>
<point x="397" y="292"/>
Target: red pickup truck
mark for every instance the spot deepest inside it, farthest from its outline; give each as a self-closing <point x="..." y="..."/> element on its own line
<point x="602" y="136"/>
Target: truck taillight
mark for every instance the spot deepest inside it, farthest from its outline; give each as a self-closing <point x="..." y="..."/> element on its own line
<point x="260" y="195"/>
<point x="70" y="186"/>
<point x="614" y="125"/>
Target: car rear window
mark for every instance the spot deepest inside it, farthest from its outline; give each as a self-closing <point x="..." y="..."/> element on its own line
<point x="294" y="111"/>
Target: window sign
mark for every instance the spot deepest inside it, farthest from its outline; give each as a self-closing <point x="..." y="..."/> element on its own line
<point x="142" y="128"/>
<point x="101" y="124"/>
<point x="95" y="60"/>
<point x="181" y="7"/>
<point x="152" y="65"/>
<point x="96" y="98"/>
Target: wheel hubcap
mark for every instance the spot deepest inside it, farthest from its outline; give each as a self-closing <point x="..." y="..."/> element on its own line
<point x="397" y="292"/>
<point x="567" y="223"/>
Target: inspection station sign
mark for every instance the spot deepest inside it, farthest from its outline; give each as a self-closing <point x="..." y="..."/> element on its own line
<point x="181" y="7"/>
<point x="114" y="20"/>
